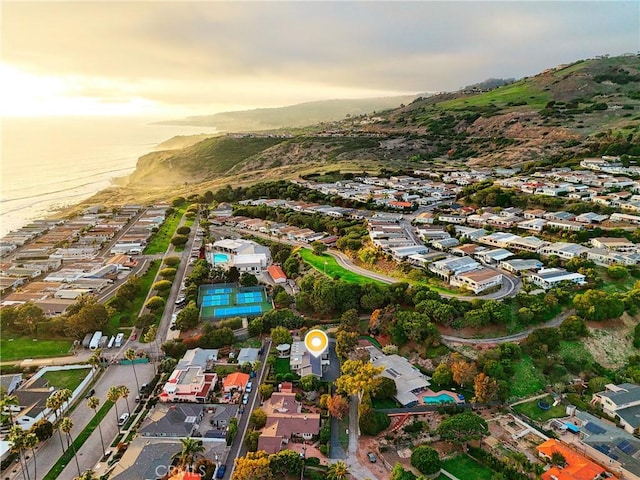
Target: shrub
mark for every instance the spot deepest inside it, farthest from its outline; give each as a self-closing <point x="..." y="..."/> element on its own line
<point x="426" y="460"/>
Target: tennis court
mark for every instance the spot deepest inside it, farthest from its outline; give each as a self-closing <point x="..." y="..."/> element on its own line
<point x="228" y="300"/>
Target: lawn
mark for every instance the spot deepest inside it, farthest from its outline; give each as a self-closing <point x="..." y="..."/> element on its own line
<point x="516" y="92"/>
<point x="613" y="286"/>
<point x="575" y="353"/>
<point x="329" y="266"/>
<point x="66" y="378"/>
<point x="282" y="366"/>
<point x="19" y="348"/>
<point x="534" y="412"/>
<point x="136" y="305"/>
<point x="526" y="379"/>
<point x="466" y="468"/>
<point x="160" y="241"/>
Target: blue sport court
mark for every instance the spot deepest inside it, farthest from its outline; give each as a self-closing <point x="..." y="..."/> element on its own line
<point x="221" y="301"/>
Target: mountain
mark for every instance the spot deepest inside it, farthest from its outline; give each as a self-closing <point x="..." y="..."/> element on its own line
<point x="300" y="115"/>
<point x="590" y="107"/>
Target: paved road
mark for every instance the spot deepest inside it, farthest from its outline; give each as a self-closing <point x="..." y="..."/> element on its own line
<point x="50" y="451"/>
<point x="237" y="448"/>
<point x="516" y="337"/>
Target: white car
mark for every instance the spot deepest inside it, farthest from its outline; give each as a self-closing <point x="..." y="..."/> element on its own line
<point x="245" y="399"/>
<point x="248" y="387"/>
<point x="123" y="419"/>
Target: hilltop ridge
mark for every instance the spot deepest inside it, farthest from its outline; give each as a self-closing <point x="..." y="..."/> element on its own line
<point x="589" y="107"/>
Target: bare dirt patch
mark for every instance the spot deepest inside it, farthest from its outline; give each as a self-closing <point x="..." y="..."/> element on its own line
<point x="610" y="345"/>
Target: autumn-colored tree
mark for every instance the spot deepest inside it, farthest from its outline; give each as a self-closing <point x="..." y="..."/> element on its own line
<point x="258" y="418"/>
<point x="463" y="372"/>
<point x="485" y="388"/>
<point x="253" y="466"/>
<point x="345" y="343"/>
<point x="338" y="406"/>
<point x="358" y="377"/>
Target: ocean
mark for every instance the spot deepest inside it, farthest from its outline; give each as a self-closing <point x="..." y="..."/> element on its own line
<point x="48" y="163"/>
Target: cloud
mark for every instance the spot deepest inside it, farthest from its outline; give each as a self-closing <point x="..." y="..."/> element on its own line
<point x="262" y="53"/>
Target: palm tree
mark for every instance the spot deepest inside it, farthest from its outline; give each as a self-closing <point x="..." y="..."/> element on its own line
<point x="130" y="354"/>
<point x="191" y="448"/>
<point x="87" y="475"/>
<point x="113" y="395"/>
<point x="64" y="395"/>
<point x="124" y="393"/>
<point x="6" y="402"/>
<point x="17" y="441"/>
<point x="30" y="441"/>
<point x="94" y="361"/>
<point x="53" y="403"/>
<point x="66" y="425"/>
<point x="338" y="471"/>
<point x="93" y="403"/>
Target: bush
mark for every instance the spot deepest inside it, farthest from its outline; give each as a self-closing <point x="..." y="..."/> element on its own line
<point x="372" y="423"/>
<point x="172" y="262"/>
<point x="183" y="230"/>
<point x="426" y="460"/>
<point x="179" y="240"/>
<point x="167" y="272"/>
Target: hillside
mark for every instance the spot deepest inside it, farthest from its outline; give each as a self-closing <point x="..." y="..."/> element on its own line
<point x="590" y="107"/>
<point x="300" y="115"/>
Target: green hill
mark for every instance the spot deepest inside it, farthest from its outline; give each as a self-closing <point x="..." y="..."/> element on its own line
<point x="590" y="107"/>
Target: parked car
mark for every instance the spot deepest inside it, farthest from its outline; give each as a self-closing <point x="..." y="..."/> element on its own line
<point x="90" y="393"/>
<point x="221" y="470"/>
<point x="144" y="387"/>
<point x="248" y="387"/>
<point x="245" y="399"/>
<point x="372" y="457"/>
<point x="123" y="419"/>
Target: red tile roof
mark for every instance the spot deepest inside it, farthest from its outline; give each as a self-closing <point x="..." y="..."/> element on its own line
<point x="276" y="272"/>
<point x="578" y="467"/>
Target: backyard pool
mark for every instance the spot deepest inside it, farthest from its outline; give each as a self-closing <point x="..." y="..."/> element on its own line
<point x="220" y="258"/>
<point x="441" y="398"/>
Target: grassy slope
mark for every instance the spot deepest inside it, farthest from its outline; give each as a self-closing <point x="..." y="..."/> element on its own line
<point x="526" y="379"/>
<point x="328" y="265"/>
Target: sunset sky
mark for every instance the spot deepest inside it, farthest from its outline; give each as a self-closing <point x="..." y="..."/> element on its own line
<point x="183" y="58"/>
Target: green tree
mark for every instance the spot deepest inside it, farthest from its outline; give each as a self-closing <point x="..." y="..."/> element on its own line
<point x="179" y="240"/>
<point x="42" y="429"/>
<point x="188" y="318"/>
<point x="17" y="442"/>
<point x="309" y="383"/>
<point x="598" y="305"/>
<point x="184" y="230"/>
<point x="442" y="375"/>
<point x="155" y="303"/>
<point x="167" y="272"/>
<point x="597" y="384"/>
<point x="318" y="247"/>
<point x="258" y="418"/>
<point x="462" y="427"/>
<point x="266" y="390"/>
<point x="251" y="441"/>
<point x="350" y="321"/>
<point x="280" y="335"/>
<point x="573" y="328"/>
<point x="130" y="354"/>
<point x="617" y="272"/>
<point x="190" y="449"/>
<point x="113" y="395"/>
<point x="283" y="299"/>
<point x="286" y="463"/>
<point x="385" y="389"/>
<point x="172" y="262"/>
<point x="248" y="280"/>
<point x="162" y="286"/>
<point x="426" y="460"/>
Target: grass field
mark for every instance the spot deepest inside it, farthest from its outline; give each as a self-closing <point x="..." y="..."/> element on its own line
<point x="19" y="348"/>
<point x="66" y="378"/>
<point x="329" y="266"/>
<point x="526" y="379"/>
<point x="466" y="468"/>
<point x="576" y="353"/>
<point x="160" y="241"/>
<point x="613" y="286"/>
<point x="136" y="305"/>
<point x="534" y="412"/>
<point x="516" y="92"/>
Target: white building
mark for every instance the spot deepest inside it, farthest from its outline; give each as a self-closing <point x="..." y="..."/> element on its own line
<point x="477" y="280"/>
<point x="550" y="277"/>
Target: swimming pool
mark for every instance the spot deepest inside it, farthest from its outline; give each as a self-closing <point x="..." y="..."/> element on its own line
<point x="220" y="258"/>
<point x="442" y="398"/>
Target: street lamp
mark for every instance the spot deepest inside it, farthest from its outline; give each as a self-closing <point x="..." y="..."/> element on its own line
<point x="324" y="268"/>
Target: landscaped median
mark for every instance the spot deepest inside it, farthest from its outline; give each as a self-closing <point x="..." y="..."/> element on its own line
<point x="67" y="456"/>
<point x="329" y="266"/>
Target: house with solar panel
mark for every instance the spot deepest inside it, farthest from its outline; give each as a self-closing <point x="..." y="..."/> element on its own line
<point x="621" y="402"/>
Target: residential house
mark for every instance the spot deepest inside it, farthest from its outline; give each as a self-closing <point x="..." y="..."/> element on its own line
<point x="172" y="420"/>
<point x="626" y="218"/>
<point x="494" y="256"/>
<point x="534" y="225"/>
<point x="235" y="381"/>
<point x="498" y="239"/>
<point x="286" y="420"/>
<point x="621" y="402"/>
<point x="302" y="363"/>
<point x="408" y="379"/>
<point x="564" y="250"/>
<point x="477" y="280"/>
<point x="565" y="225"/>
<point x="453" y="266"/>
<point x="445" y="243"/>
<point x="189" y="383"/>
<point x="576" y="466"/>
<point x="518" y="266"/>
<point x="248" y="355"/>
<point x="617" y="244"/>
<point x="527" y="244"/>
<point x="550" y="277"/>
<point x="277" y="274"/>
<point x="591" y="218"/>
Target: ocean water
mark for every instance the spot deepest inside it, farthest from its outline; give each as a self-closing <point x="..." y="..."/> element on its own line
<point x="48" y="163"/>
